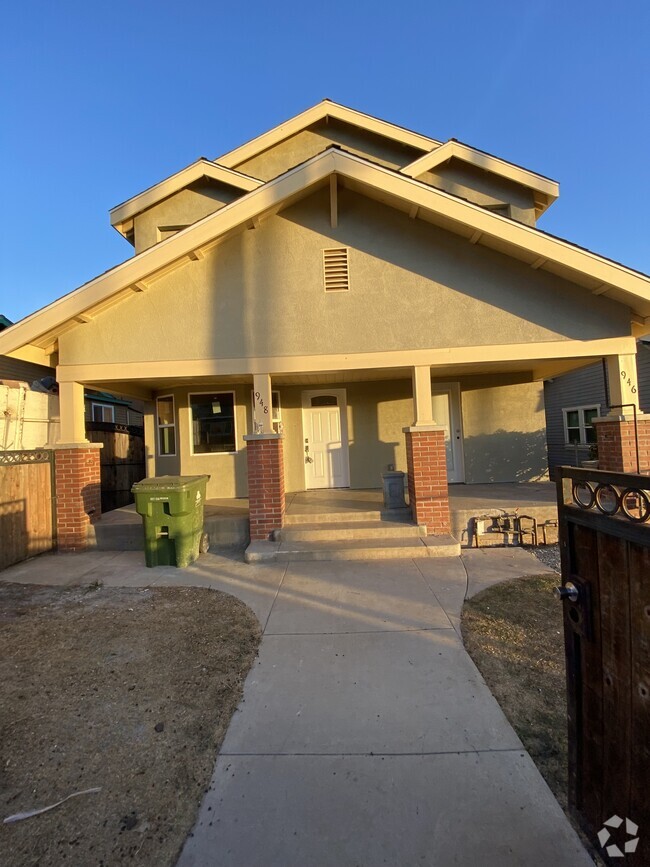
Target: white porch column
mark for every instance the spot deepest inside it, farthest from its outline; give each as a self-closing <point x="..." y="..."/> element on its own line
<point x="422" y="396"/>
<point x="623" y="387"/>
<point x="72" y="411"/>
<point x="262" y="404"/>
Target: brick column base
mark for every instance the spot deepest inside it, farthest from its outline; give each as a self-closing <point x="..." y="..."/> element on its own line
<point x="78" y="494"/>
<point x="426" y="461"/>
<point x="265" y="484"/>
<point x="617" y="444"/>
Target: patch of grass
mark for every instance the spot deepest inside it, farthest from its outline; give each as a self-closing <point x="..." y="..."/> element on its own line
<point x="513" y="632"/>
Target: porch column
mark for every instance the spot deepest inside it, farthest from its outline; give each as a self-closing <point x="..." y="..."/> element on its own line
<point x="262" y="404"/>
<point x="150" y="445"/>
<point x="422" y="404"/>
<point x="265" y="484"/>
<point x="426" y="460"/>
<point x="76" y="472"/>
<point x="616" y="435"/>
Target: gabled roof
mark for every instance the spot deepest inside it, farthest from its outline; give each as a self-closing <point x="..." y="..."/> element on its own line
<point x="322" y="110"/>
<point x="546" y="191"/>
<point x="528" y="244"/>
<point x="4" y="322"/>
<point x="122" y="215"/>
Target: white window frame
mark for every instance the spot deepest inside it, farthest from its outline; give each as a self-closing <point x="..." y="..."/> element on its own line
<point x="234" y="420"/>
<point x="276" y="420"/>
<point x="102" y="406"/>
<point x="160" y="427"/>
<point x="581" y="424"/>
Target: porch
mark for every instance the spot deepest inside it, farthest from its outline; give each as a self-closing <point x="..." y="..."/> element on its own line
<point x="226" y="519"/>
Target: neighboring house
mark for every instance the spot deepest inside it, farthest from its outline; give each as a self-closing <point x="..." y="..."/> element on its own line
<point x="30" y="418"/>
<point x="573" y="400"/>
<point x="334" y="298"/>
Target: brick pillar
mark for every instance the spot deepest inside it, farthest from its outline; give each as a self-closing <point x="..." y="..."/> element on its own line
<point x="78" y="494"/>
<point x="617" y="444"/>
<point x="426" y="461"/>
<point x="265" y="484"/>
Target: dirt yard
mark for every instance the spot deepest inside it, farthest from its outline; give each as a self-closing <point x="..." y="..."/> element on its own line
<point x="513" y="632"/>
<point x="130" y="690"/>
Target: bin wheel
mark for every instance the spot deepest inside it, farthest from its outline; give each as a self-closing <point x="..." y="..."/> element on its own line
<point x="204" y="545"/>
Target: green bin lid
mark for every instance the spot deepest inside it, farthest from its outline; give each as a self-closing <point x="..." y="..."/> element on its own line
<point x="167" y="483"/>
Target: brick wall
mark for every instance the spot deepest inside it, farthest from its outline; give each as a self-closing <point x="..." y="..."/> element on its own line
<point x="617" y="445"/>
<point x="427" y="479"/>
<point x="78" y="495"/>
<point x="265" y="485"/>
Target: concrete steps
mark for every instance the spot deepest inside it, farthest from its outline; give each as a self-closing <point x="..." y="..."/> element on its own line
<point x="348" y="530"/>
<point x="351" y="536"/>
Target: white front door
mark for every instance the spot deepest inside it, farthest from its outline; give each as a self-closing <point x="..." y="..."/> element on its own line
<point x="446" y="412"/>
<point x="325" y="440"/>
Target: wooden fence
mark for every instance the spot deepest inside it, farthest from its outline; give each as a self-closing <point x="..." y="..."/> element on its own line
<point x="27" y="514"/>
<point x="122" y="461"/>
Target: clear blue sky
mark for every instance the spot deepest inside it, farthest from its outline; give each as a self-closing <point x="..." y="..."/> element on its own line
<point x="101" y="99"/>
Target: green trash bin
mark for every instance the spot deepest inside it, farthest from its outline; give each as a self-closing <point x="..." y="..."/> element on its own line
<point x="172" y="515"/>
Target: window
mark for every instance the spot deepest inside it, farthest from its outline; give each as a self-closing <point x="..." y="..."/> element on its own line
<point x="335" y="269"/>
<point x="166" y="423"/>
<point x="276" y="418"/>
<point x="103" y="412"/>
<point x="213" y="422"/>
<point x="578" y="425"/>
<point x="325" y="400"/>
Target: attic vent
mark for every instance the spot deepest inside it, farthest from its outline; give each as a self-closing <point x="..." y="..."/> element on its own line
<point x="335" y="268"/>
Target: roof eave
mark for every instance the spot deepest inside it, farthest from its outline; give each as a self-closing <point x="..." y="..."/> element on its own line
<point x="183" y="246"/>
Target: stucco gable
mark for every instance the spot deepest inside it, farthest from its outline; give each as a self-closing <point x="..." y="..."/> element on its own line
<point x="412" y="286"/>
<point x="332" y="169"/>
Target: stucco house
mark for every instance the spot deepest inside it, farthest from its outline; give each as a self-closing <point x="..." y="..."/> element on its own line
<point x="334" y="298"/>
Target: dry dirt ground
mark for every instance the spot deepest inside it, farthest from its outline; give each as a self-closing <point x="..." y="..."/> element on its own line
<point x="130" y="690"/>
<point x="513" y="632"/>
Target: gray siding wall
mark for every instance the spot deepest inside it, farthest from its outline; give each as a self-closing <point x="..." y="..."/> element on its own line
<point x="582" y="388"/>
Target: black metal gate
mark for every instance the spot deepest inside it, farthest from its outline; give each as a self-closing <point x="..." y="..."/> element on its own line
<point x="605" y="547"/>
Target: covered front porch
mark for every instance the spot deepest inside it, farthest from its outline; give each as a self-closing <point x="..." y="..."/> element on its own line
<point x="227" y="519"/>
<point x="469" y="437"/>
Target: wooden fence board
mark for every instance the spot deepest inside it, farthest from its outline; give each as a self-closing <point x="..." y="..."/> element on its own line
<point x="26" y="514"/>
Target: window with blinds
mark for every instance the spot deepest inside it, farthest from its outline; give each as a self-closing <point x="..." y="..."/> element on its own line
<point x="335" y="270"/>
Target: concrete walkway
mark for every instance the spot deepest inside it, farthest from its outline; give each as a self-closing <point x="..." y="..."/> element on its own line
<point x="366" y="735"/>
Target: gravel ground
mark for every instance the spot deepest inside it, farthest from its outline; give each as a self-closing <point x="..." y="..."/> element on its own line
<point x="549" y="555"/>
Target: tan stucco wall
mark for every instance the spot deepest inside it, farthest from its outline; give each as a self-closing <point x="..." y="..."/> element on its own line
<point x="182" y="209"/>
<point x="503" y="425"/>
<point x="300" y="147"/>
<point x="412" y="286"/>
<point x="483" y="188"/>
<point x="504" y="433"/>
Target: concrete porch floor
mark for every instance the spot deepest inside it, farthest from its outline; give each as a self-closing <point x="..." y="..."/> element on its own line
<point x="227" y="519"/>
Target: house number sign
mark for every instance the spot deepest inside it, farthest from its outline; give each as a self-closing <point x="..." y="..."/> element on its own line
<point x="260" y="401"/>
<point x="628" y="381"/>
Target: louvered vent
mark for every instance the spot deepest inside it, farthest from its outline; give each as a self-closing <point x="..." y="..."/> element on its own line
<point x="335" y="266"/>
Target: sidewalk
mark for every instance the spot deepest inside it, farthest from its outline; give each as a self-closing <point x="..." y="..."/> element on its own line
<point x="366" y="735"/>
